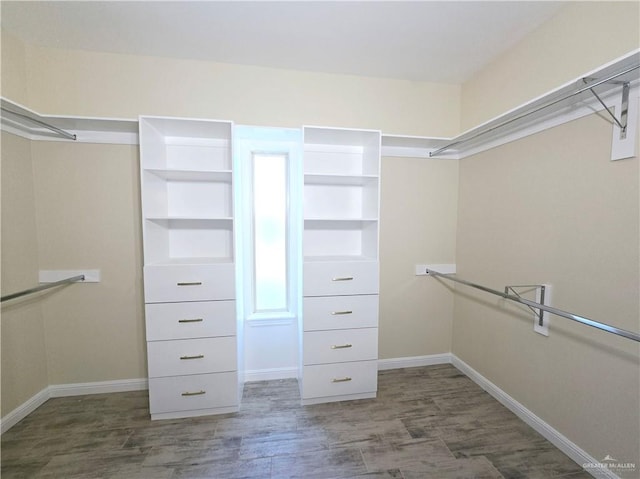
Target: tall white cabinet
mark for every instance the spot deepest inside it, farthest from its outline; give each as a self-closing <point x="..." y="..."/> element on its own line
<point x="189" y="266"/>
<point x="339" y="333"/>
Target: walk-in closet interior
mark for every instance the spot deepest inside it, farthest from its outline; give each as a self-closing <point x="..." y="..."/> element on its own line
<point x="399" y="239"/>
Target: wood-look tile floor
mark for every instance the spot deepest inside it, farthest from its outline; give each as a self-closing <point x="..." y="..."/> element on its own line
<point x="427" y="422"/>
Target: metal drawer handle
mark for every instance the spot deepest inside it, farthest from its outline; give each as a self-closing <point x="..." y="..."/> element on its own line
<point x="195" y="320"/>
<point x="198" y="356"/>
<point x="195" y="393"/>
<point x="342" y="346"/>
<point x="192" y="283"/>
<point x="341" y="380"/>
<point x="345" y="278"/>
<point x="336" y="313"/>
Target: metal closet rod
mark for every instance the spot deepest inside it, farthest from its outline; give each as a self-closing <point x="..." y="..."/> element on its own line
<point x="73" y="279"/>
<point x="55" y="129"/>
<point x="558" y="312"/>
<point x="535" y="110"/>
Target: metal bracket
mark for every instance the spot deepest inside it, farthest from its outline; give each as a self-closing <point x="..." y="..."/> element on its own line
<point x="539" y="313"/>
<point x="624" y="111"/>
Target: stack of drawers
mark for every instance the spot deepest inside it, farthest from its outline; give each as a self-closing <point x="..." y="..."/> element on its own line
<point x="191" y="340"/>
<point x="340" y="331"/>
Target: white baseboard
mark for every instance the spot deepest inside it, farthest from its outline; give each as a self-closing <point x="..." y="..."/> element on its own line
<point x="22" y="411"/>
<point x="414" y="361"/>
<point x="62" y="390"/>
<point x="270" y="374"/>
<point x="101" y="387"/>
<point x="552" y="435"/>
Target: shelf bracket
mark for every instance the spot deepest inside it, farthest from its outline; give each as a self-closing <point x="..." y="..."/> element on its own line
<point x="624" y="111"/>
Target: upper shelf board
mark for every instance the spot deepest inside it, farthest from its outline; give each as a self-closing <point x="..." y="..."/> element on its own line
<point x="16" y="119"/>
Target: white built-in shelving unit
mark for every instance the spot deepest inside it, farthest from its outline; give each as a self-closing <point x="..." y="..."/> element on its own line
<point x="189" y="266"/>
<point x="339" y="337"/>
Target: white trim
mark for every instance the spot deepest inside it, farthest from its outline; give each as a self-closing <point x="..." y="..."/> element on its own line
<point x="101" y="387"/>
<point x="571" y="449"/>
<point x="414" y="361"/>
<point x="22" y="411"/>
<point x="64" y="390"/>
<point x="270" y="374"/>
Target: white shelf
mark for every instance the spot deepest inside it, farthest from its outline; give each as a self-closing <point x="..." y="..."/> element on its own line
<point x="338" y="258"/>
<point x="191" y="261"/>
<point x="208" y="222"/>
<point x="222" y="176"/>
<point x="346" y="180"/>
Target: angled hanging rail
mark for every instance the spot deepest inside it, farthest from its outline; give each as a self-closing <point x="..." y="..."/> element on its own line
<point x="558" y="312"/>
<point x="73" y="279"/>
<point x="55" y="129"/>
<point x="459" y="140"/>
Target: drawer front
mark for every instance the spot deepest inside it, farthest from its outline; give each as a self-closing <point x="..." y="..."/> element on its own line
<point x="340" y="277"/>
<point x="173" y="283"/>
<point x="321" y="347"/>
<point x="191" y="356"/>
<point x="190" y="320"/>
<point x="339" y="379"/>
<point x="340" y="312"/>
<point x="184" y="393"/>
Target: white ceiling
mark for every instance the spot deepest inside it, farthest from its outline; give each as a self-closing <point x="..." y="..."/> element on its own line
<point x="438" y="41"/>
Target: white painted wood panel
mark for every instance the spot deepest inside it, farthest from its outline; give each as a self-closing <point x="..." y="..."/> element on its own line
<point x="189" y="282"/>
<point x="340" y="278"/>
<point x="340" y="312"/>
<point x="166" y="321"/>
<point x="341" y="379"/>
<point x="184" y="393"/>
<point x="191" y="356"/>
<point x="341" y="345"/>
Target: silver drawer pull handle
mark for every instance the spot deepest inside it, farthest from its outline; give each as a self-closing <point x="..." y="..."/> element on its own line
<point x="195" y="320"/>
<point x="341" y="380"/>
<point x="192" y="283"/>
<point x="342" y="346"/>
<point x="345" y="278"/>
<point x="198" y="356"/>
<point x="196" y="393"/>
<point x="336" y="313"/>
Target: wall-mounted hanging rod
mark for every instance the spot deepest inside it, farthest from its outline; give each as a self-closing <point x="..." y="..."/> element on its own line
<point x="73" y="279"/>
<point x="558" y="312"/>
<point x="55" y="129"/>
<point x="590" y="86"/>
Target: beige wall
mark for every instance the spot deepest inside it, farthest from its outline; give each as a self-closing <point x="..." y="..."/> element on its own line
<point x="418" y="225"/>
<point x="87" y="199"/>
<point x="88" y="217"/>
<point x="580" y="38"/>
<point x="13" y="73"/>
<point x="552" y="208"/>
<point x="24" y="361"/>
<point x="113" y="85"/>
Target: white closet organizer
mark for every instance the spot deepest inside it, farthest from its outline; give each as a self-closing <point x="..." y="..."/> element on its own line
<point x="189" y="268"/>
<point x="339" y="339"/>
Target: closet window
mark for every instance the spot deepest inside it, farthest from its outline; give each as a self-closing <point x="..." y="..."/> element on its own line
<point x="270" y="200"/>
<point x="268" y="210"/>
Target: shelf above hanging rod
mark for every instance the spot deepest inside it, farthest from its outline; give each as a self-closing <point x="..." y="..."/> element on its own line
<point x="563" y="100"/>
<point x="558" y="312"/>
<point x="38" y="121"/>
<point x="528" y="111"/>
<point x="43" y="287"/>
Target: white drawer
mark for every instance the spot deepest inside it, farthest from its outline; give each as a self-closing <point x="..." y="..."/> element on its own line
<point x="201" y="391"/>
<point x="321" y="347"/>
<point x="339" y="379"/>
<point x="340" y="277"/>
<point x="189" y="282"/>
<point x="191" y="356"/>
<point x="340" y="312"/>
<point x="198" y="319"/>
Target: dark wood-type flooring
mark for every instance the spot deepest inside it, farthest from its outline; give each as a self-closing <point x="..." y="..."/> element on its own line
<point x="426" y="423"/>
